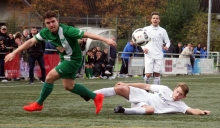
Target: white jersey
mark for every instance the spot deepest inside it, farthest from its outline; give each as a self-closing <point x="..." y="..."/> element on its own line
<point x="161" y="99"/>
<point x="158" y="36"/>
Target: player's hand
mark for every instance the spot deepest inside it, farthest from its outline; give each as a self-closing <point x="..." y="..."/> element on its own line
<point x="145" y="50"/>
<point x="111" y="42"/>
<point x="60" y="49"/>
<point x="206" y="112"/>
<point x="165" y="48"/>
<point x="9" y="57"/>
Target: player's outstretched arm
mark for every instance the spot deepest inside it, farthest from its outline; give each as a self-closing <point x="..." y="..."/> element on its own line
<point x="197" y="111"/>
<point x="23" y="47"/>
<point x="98" y="37"/>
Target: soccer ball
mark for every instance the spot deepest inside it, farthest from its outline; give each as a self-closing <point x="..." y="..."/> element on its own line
<point x="140" y="37"/>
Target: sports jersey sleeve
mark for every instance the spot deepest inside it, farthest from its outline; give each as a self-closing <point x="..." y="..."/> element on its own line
<point x="157" y="88"/>
<point x="39" y="36"/>
<point x="182" y="107"/>
<point x="75" y="33"/>
<point x="166" y="39"/>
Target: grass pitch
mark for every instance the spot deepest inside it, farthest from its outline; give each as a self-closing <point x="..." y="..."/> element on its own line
<point x="63" y="109"/>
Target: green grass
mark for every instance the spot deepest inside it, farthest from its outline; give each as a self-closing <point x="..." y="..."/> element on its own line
<point x="63" y="109"/>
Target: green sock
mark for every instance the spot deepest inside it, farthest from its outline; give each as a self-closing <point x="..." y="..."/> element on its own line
<point x="91" y="72"/>
<point x="83" y="91"/>
<point x="45" y="92"/>
<point x="87" y="72"/>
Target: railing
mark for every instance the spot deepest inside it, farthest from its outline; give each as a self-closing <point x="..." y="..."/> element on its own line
<point x="212" y="55"/>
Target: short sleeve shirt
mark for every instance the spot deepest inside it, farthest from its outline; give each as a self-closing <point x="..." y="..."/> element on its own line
<point x="158" y="36"/>
<point x="67" y="37"/>
<point x="163" y="101"/>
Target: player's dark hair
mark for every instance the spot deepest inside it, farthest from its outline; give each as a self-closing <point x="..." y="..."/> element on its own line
<point x="184" y="87"/>
<point x="49" y="14"/>
<point x="155" y="13"/>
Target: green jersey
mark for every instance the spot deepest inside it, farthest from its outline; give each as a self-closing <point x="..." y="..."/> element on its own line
<point x="67" y="37"/>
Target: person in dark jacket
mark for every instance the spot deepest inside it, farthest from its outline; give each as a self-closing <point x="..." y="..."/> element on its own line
<point x="3" y="32"/>
<point x="197" y="51"/>
<point x="179" y="49"/>
<point x="36" y="53"/>
<point x="2" y="56"/>
<point x="171" y="50"/>
<point x="129" y="47"/>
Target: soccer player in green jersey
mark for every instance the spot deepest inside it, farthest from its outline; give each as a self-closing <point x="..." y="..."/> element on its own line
<point x="65" y="38"/>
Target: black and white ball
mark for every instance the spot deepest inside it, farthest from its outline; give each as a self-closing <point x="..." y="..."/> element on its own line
<point x="140" y="37"/>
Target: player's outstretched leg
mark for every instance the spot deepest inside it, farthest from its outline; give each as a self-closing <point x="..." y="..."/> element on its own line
<point x="38" y="106"/>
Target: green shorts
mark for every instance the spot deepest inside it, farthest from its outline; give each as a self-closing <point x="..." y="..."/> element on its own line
<point x="68" y="69"/>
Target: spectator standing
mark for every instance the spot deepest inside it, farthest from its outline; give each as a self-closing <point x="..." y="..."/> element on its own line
<point x="26" y="35"/>
<point x="7" y="43"/>
<point x="153" y="49"/>
<point x="2" y="56"/>
<point x="188" y="53"/>
<point x="106" y="62"/>
<point x="36" y="53"/>
<point x="89" y="64"/>
<point x="82" y="43"/>
<point x="204" y="52"/>
<point x="198" y="51"/>
<point x="18" y="39"/>
<point x="171" y="50"/>
<point x="112" y="57"/>
<point x="13" y="44"/>
<point x="179" y="49"/>
<point x="129" y="47"/>
<point x="185" y="45"/>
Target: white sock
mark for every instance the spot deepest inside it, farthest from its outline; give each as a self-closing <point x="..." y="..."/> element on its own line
<point x="147" y="80"/>
<point x="107" y="92"/>
<point x="157" y="80"/>
<point x="135" y="111"/>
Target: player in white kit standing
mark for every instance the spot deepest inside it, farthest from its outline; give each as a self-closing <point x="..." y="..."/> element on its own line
<point x="153" y="49"/>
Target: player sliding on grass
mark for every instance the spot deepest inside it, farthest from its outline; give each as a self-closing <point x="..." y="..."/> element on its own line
<point x="163" y="100"/>
<point x="65" y="38"/>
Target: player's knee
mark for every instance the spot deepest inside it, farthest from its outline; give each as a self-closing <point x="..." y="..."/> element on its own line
<point x="68" y="88"/>
<point x="48" y="79"/>
<point x="121" y="89"/>
<point x="149" y="110"/>
<point x="148" y="75"/>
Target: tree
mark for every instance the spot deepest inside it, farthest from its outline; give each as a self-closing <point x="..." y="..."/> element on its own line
<point x="125" y="15"/>
<point x="196" y="31"/>
<point x="63" y="7"/>
<point x="175" y="13"/>
<point x="12" y="24"/>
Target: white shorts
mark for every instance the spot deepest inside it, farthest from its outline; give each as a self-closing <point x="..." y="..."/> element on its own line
<point x="137" y="96"/>
<point x="153" y="65"/>
<point x="139" y="104"/>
